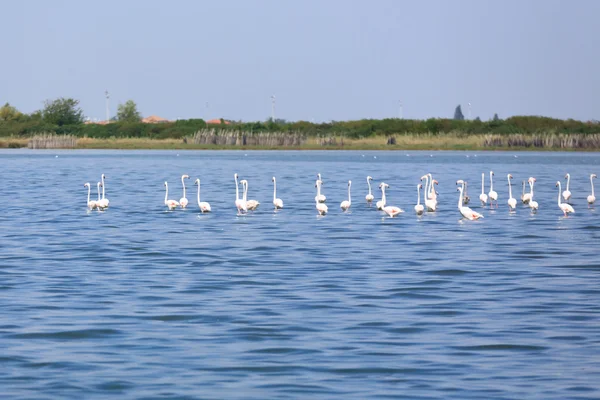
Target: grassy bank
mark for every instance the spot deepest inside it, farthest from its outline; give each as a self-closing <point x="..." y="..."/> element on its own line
<point x="403" y="142"/>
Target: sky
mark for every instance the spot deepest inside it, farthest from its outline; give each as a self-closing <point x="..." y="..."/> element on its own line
<point x="322" y="59"/>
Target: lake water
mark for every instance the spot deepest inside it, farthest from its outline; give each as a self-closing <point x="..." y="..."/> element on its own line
<point x="137" y="302"/>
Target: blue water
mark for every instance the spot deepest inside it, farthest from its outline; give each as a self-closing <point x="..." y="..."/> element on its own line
<point x="137" y="302"/>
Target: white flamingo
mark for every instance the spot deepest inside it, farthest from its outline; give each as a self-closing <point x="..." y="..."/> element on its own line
<point x="99" y="202"/>
<point x="419" y="209"/>
<point x="251" y="205"/>
<point x="430" y="204"/>
<point x="321" y="207"/>
<point x="369" y="197"/>
<point x="512" y="202"/>
<point x="278" y="203"/>
<point x="345" y="205"/>
<point x="203" y="205"/>
<point x="432" y="193"/>
<point x="240" y="204"/>
<point x="567" y="193"/>
<point x="391" y="211"/>
<point x="466" y="198"/>
<point x="320" y="197"/>
<point x="92" y="205"/>
<point x="525" y="197"/>
<point x="171" y="204"/>
<point x="493" y="195"/>
<point x="532" y="203"/>
<point x="564" y="207"/>
<point x="103" y="203"/>
<point x="483" y="197"/>
<point x="183" y="202"/>
<point x="591" y="199"/>
<point x="466" y="211"/>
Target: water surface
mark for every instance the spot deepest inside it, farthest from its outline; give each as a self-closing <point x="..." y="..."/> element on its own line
<point x="138" y="302"/>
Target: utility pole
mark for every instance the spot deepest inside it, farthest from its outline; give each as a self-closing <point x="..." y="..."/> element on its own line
<point x="400" y="102"/>
<point x="273" y="108"/>
<point x="107" y="105"/>
<point x="469" y="110"/>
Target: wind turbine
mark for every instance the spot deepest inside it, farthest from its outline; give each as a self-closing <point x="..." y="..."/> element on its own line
<point x="107" y="107"/>
<point x="273" y="108"/>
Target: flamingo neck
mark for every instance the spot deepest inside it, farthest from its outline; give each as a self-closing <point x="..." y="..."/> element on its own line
<point x="592" y="182"/>
<point x="482" y="183"/>
<point x="166" y="192"/>
<point x="90" y="190"/>
<point x="183" y="184"/>
<point x="274" y="189"/>
<point x="369" y="184"/>
<point x="103" y="188"/>
<point x="383" y="195"/>
<point x="98" y="191"/>
<point x="349" y="200"/>
<point x="318" y="189"/>
<point x="523" y="188"/>
<point x="198" y="193"/>
<point x="418" y="195"/>
<point x="531" y="189"/>
<point x="559" y="194"/>
<point x="245" y="192"/>
<point x="460" y="198"/>
<point x="568" y="180"/>
<point x="237" y="192"/>
<point x="509" y="189"/>
<point x="491" y="183"/>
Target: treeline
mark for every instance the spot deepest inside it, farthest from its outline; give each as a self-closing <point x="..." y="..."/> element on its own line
<point x="63" y="117"/>
<point x="351" y="129"/>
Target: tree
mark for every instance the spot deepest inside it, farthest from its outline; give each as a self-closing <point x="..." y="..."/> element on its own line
<point x="9" y="113"/>
<point x="62" y="112"/>
<point x="495" y="119"/>
<point x="458" y="115"/>
<point x="128" y="112"/>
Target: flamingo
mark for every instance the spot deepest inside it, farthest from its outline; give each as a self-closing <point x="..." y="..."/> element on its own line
<point x="278" y="203"/>
<point x="483" y="197"/>
<point x="92" y="205"/>
<point x="345" y="205"/>
<point x="391" y="211"/>
<point x="183" y="202"/>
<point x="103" y="203"/>
<point x="321" y="207"/>
<point x="381" y="203"/>
<point x="250" y="204"/>
<point x="591" y="199"/>
<point x="567" y="193"/>
<point x="430" y="204"/>
<point x="432" y="193"/>
<point x="203" y="205"/>
<point x="525" y="197"/>
<point x="564" y="207"/>
<point x="320" y="197"/>
<point x="532" y="204"/>
<point x="99" y="202"/>
<point x="419" y="207"/>
<point x="466" y="211"/>
<point x="240" y="204"/>
<point x="493" y="195"/>
<point x="512" y="202"/>
<point x="369" y="197"/>
<point x="466" y="198"/>
<point x="171" y="204"/>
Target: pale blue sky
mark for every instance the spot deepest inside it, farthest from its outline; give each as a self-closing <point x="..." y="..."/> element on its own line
<point x="322" y="59"/>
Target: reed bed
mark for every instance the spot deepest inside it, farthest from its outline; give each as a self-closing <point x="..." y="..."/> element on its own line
<point x="52" y="141"/>
<point x="262" y="139"/>
<point x="545" y="141"/>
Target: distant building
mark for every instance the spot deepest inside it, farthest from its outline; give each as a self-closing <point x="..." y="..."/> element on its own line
<point x="217" y="122"/>
<point x="154" y="119"/>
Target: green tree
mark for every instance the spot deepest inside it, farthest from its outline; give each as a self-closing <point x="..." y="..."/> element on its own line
<point x="128" y="112"/>
<point x="458" y="115"/>
<point x="9" y="113"/>
<point x="62" y="112"/>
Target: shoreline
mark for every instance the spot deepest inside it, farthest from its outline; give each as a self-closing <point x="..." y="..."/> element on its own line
<point x="449" y="143"/>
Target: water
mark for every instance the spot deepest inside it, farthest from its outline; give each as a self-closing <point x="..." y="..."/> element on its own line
<point x="137" y="302"/>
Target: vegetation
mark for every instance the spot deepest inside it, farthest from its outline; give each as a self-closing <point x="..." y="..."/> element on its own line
<point x="64" y="117"/>
<point x="128" y="112"/>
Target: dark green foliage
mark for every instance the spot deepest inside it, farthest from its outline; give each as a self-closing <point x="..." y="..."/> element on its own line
<point x="62" y="112"/>
<point x="128" y="112"/>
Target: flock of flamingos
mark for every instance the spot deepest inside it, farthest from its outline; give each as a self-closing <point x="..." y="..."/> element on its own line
<point x="244" y="205"/>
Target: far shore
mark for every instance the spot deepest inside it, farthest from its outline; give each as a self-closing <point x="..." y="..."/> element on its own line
<point x="409" y="142"/>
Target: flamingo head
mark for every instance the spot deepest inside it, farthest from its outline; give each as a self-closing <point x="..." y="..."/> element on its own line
<point x="531" y="179"/>
<point x="197" y="181"/>
<point x="185" y="176"/>
<point x="419" y="186"/>
<point x="510" y="176"/>
<point x="567" y="176"/>
<point x="436" y="182"/>
<point x="87" y="184"/>
<point x="491" y="173"/>
<point x="166" y="184"/>
<point x="369" y="178"/>
<point x="460" y="182"/>
<point x="349" y="183"/>
<point x="593" y="176"/>
<point x="423" y="177"/>
<point x="235" y="176"/>
<point x="273" y="179"/>
<point x="103" y="176"/>
<point x="557" y="184"/>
